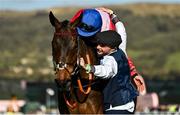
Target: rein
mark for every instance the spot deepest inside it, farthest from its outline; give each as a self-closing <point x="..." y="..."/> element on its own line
<point x="90" y="74"/>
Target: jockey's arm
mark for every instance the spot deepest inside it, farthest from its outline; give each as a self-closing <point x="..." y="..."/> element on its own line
<point x="119" y="26"/>
<point x="138" y="81"/>
<point x="121" y="30"/>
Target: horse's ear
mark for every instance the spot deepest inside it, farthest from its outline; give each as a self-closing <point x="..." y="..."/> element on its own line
<point x="54" y="21"/>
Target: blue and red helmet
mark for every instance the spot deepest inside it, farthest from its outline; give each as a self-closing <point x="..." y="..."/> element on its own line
<point x="90" y="23"/>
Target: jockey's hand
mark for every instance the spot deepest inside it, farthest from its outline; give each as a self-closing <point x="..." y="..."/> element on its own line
<point x="82" y="63"/>
<point x="140" y="84"/>
<point x="109" y="11"/>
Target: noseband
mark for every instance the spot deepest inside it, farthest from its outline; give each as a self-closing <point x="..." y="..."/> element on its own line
<point x="63" y="66"/>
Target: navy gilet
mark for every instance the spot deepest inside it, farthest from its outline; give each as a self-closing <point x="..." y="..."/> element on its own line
<point x="119" y="90"/>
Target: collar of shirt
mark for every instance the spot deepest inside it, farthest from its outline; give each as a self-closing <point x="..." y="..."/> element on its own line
<point x="112" y="52"/>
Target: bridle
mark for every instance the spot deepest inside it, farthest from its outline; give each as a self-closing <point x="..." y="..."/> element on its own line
<point x="63" y="66"/>
<point x="76" y="72"/>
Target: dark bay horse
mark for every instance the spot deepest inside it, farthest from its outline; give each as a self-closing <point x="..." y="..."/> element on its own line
<point x="78" y="92"/>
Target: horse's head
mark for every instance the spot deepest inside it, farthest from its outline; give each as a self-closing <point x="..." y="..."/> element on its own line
<point x="64" y="48"/>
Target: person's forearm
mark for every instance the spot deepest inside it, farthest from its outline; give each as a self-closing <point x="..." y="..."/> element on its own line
<point x="103" y="72"/>
<point x="121" y="30"/>
<point x="133" y="71"/>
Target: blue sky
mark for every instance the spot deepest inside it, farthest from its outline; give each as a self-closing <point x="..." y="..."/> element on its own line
<point x="42" y="4"/>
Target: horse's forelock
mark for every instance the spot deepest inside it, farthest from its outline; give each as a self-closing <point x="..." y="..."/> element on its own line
<point x="66" y="29"/>
<point x="65" y="36"/>
<point x="65" y="24"/>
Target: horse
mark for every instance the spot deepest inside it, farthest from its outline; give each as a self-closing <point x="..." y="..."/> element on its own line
<point x="78" y="91"/>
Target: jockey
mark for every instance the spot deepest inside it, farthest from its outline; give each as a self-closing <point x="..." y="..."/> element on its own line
<point x="91" y="21"/>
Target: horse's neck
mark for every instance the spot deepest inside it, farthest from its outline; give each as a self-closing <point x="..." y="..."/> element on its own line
<point x="88" y="52"/>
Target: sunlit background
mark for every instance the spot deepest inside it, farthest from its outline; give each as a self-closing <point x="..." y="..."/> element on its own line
<point x="26" y="70"/>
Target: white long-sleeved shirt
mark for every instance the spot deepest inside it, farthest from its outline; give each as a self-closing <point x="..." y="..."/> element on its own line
<point x="107" y="69"/>
<point x="122" y="31"/>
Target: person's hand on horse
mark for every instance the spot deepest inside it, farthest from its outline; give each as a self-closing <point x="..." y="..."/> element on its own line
<point x="109" y="11"/>
<point x="140" y="84"/>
